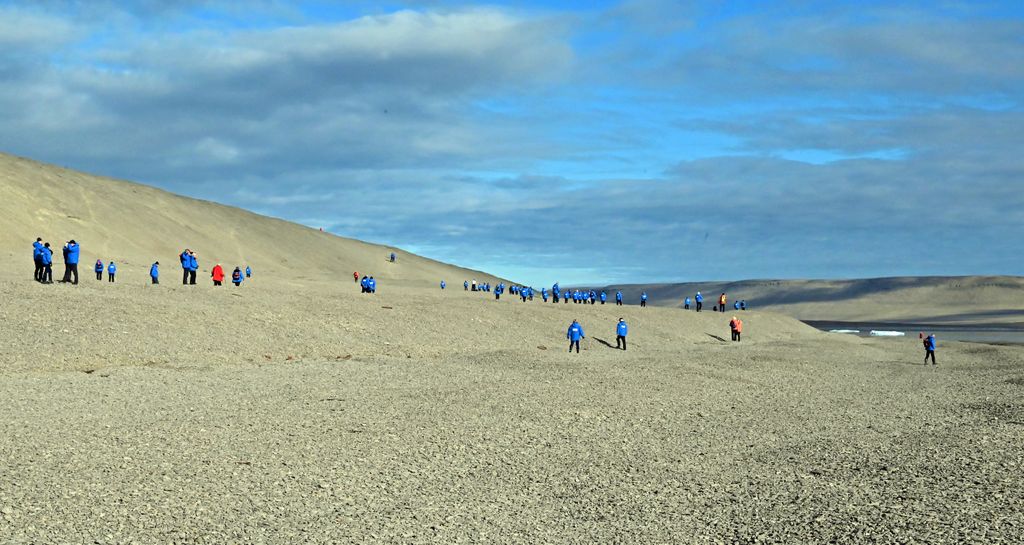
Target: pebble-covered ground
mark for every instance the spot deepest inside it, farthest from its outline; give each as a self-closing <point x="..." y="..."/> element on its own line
<point x="453" y="419"/>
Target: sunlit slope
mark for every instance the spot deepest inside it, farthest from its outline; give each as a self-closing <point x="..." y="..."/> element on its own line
<point x="135" y="225"/>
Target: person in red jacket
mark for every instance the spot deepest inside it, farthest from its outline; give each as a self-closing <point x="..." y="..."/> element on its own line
<point x="217" y="274"/>
<point x="355" y="277"/>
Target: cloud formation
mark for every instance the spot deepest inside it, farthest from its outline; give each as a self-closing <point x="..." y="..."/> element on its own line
<point x="645" y="140"/>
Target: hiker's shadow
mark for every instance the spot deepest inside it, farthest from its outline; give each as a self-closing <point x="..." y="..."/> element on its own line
<point x="604" y="342"/>
<point x="716" y="337"/>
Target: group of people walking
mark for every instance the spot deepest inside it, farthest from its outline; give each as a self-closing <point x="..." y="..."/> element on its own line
<point x="42" y="256"/>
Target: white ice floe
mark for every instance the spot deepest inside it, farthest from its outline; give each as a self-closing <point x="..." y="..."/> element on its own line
<point x="875" y="333"/>
<point x="844" y="331"/>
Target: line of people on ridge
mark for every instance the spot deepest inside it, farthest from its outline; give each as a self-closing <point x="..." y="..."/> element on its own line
<point x="42" y="257"/>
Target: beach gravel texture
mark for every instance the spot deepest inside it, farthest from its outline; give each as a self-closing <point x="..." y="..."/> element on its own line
<point x="277" y="414"/>
<point x="295" y="409"/>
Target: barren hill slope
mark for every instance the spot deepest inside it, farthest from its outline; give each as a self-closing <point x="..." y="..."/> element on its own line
<point x="134" y="225"/>
<point x="929" y="299"/>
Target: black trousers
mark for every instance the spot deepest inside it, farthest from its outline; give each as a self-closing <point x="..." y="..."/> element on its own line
<point x="184" y="277"/>
<point x="155" y="279"/>
<point x="618" y="303"/>
<point x="69" y="271"/>
<point x="735" y="335"/>
<point x="699" y="306"/>
<point x="38" y="275"/>
<point x="110" y="277"/>
<point x="686" y="307"/>
<point x="721" y="308"/>
<point x="620" y="342"/>
<point x="643" y="303"/>
<point x="216" y="282"/>
<point x="99" y="275"/>
<point x="46" y="276"/>
<point x="576" y="344"/>
<point x="192" y="277"/>
<point x="927" y="354"/>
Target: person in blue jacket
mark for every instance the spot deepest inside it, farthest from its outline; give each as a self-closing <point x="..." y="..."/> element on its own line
<point x="189" y="266"/>
<point x="736" y="305"/>
<point x="556" y="293"/>
<point x="46" y="260"/>
<point x="364" y="284"/>
<point x="393" y="257"/>
<point x="99" y="269"/>
<point x="111" y="271"/>
<point x="643" y="299"/>
<point x="743" y="304"/>
<point x="248" y="272"/>
<point x="154" y="272"/>
<point x="372" y="284"/>
<point x="592" y="297"/>
<point x="686" y="304"/>
<point x="618" y="298"/>
<point x="71" y="253"/>
<point x="442" y="284"/>
<point x="544" y="294"/>
<point x="700" y="300"/>
<point x="574" y="334"/>
<point x="929" y="349"/>
<point x="37" y="258"/>
<point x="604" y="297"/>
<point x="237" y="277"/>
<point x="621" y="329"/>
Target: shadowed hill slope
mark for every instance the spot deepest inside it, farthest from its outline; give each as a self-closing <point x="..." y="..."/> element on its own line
<point x="134" y="225"/>
<point x="930" y="299"/>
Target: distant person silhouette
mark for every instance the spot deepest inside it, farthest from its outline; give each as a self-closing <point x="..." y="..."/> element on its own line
<point x="442" y="284"/>
<point x="574" y="334"/>
<point x="71" y="252"/>
<point x="154" y="272"/>
<point x="248" y="272"/>
<point x="355" y="276"/>
<point x="37" y="258"/>
<point x="700" y="301"/>
<point x="721" y="302"/>
<point x="643" y="299"/>
<point x="621" y="329"/>
<point x="686" y="304"/>
<point x="736" y="325"/>
<point x="111" y="271"/>
<point x="929" y="349"/>
<point x="618" y="298"/>
<point x="46" y="261"/>
<point x="217" y="274"/>
<point x="237" y="277"/>
<point x="99" y="269"/>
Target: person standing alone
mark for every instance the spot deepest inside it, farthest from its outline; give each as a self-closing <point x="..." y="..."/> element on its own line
<point x="736" y="325"/>
<point x="620" y="334"/>
<point x="99" y="269"/>
<point x="929" y="349"/>
<point x="111" y="271"/>
<point x="217" y="274"/>
<point x="574" y="334"/>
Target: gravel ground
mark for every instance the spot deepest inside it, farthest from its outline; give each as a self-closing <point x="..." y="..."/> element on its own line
<point x="320" y="416"/>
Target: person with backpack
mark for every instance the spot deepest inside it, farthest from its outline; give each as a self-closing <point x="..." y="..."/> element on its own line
<point x="111" y="271"/>
<point x="217" y="274"/>
<point x="46" y="262"/>
<point x="575" y="334"/>
<point x="621" y="329"/>
<point x="237" y="277"/>
<point x="736" y="325"/>
<point x="99" y="269"/>
<point x="929" y="348"/>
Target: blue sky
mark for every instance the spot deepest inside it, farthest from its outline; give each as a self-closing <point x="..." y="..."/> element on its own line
<point x="584" y="142"/>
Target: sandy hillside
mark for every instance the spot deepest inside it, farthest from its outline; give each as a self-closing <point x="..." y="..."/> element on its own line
<point x="962" y="299"/>
<point x="135" y="225"/>
<point x="295" y="409"/>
